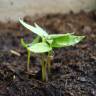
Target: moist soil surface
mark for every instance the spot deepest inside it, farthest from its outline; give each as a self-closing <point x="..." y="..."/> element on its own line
<point x="73" y="71"/>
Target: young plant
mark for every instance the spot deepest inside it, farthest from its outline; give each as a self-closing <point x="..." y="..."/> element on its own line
<point x="47" y="44"/>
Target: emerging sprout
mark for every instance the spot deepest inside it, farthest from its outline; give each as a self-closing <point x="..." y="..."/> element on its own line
<point x="48" y="43"/>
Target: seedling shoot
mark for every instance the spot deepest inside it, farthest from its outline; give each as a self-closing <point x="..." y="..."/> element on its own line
<point x="47" y="44"/>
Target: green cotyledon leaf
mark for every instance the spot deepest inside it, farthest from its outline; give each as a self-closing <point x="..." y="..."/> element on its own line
<point x="66" y="40"/>
<point x="37" y="30"/>
<point x="40" y="47"/>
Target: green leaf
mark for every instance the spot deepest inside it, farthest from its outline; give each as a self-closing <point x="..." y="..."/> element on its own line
<point x="66" y="40"/>
<point x="53" y="36"/>
<point x="40" y="48"/>
<point x="37" y="30"/>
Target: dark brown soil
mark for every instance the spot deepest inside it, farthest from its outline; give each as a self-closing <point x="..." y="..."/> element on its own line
<point x="73" y="68"/>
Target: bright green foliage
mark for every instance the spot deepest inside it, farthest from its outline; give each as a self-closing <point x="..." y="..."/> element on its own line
<point x="37" y="30"/>
<point x="40" y="47"/>
<point x="53" y="40"/>
<point x="49" y="41"/>
<point x="66" y="40"/>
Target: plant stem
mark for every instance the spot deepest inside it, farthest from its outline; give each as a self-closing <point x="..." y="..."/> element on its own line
<point x="28" y="60"/>
<point x="44" y="73"/>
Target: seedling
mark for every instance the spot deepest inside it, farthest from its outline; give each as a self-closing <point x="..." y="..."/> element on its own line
<point x="47" y="44"/>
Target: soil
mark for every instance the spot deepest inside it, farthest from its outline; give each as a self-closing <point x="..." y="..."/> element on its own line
<point x="73" y="71"/>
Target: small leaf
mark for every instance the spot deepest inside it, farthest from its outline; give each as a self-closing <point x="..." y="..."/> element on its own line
<point x="37" y="30"/>
<point x="67" y="40"/>
<point x="40" y="48"/>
